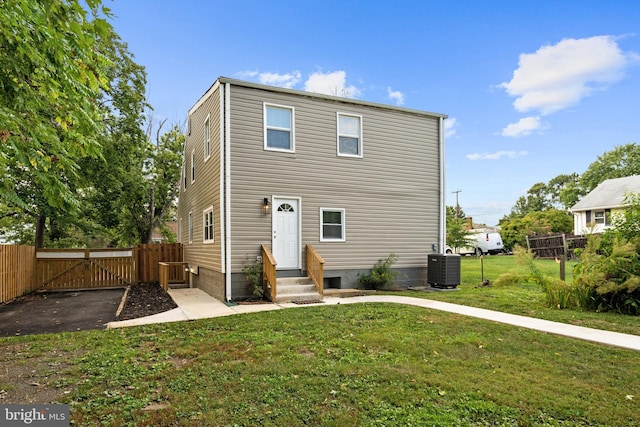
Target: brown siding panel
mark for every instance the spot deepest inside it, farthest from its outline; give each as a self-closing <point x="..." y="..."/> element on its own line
<point x="205" y="191"/>
<point x="391" y="195"/>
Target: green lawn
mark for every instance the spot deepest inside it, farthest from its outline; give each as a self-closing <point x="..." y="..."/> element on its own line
<point x="339" y="365"/>
<point x="524" y="298"/>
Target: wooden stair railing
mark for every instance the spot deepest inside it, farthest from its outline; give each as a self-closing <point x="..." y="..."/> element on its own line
<point x="172" y="272"/>
<point x="315" y="268"/>
<point x="268" y="273"/>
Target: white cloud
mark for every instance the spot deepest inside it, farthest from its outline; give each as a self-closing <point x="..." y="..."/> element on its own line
<point x="334" y="83"/>
<point x="558" y="76"/>
<point x="449" y="127"/>
<point x="396" y="95"/>
<point x="246" y="74"/>
<point x="497" y="155"/>
<point x="522" y="127"/>
<point x="288" y="80"/>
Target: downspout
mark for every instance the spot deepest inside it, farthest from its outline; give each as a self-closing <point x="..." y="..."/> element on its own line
<point x="221" y="199"/>
<point x="443" y="209"/>
<point x="227" y="183"/>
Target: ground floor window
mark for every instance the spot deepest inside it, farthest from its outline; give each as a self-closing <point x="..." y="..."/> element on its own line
<point x="207" y="221"/>
<point x="332" y="225"/>
<point x="602" y="217"/>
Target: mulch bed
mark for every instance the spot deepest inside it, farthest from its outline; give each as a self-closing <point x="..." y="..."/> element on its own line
<point x="145" y="299"/>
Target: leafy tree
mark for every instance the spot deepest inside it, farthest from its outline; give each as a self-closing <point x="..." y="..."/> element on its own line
<point x="515" y="229"/>
<point x="561" y="190"/>
<point x="102" y="180"/>
<point x="535" y="200"/>
<point x="458" y="234"/>
<point x="165" y="182"/>
<point x="556" y="194"/>
<point x="452" y="213"/>
<point x="622" y="161"/>
<point x="51" y="79"/>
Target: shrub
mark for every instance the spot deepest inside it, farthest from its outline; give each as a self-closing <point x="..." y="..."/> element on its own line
<point x="510" y="278"/>
<point x="253" y="273"/>
<point x="381" y="275"/>
<point x="610" y="275"/>
<point x="558" y="293"/>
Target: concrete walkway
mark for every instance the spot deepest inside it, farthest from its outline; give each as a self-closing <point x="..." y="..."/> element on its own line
<point x="196" y="304"/>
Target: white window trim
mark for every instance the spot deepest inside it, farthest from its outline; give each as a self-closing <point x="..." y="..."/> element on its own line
<point x="338" y="134"/>
<point x="292" y="130"/>
<point x="180" y="230"/>
<point x="204" y="225"/>
<point x="193" y="166"/>
<point x="207" y="138"/>
<point x="190" y="231"/>
<point x="184" y="175"/>
<point x="344" y="225"/>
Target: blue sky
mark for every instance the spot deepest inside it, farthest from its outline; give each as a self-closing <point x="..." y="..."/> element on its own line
<point x="533" y="89"/>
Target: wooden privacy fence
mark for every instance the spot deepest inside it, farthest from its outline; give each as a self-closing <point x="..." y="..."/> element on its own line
<point x="63" y="269"/>
<point x="17" y="264"/>
<point x="149" y="256"/>
<point x="24" y="269"/>
<point x="555" y="245"/>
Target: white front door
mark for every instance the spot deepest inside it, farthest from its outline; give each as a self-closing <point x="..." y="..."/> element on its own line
<point x="286" y="232"/>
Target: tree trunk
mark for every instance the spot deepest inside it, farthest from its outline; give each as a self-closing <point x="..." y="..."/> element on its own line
<point x="152" y="210"/>
<point x="40" y="227"/>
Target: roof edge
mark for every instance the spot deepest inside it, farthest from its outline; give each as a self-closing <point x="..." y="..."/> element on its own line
<point x="236" y="82"/>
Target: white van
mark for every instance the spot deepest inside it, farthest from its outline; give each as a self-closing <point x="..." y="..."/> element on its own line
<point x="481" y="243"/>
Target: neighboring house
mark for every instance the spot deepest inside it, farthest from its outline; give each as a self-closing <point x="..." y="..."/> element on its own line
<point x="286" y="168"/>
<point x="593" y="213"/>
<point x="157" y="237"/>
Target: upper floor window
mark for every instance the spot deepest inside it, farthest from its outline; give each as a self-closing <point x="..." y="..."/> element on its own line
<point x="207" y="222"/>
<point x="332" y="226"/>
<point x="278" y="128"/>
<point x="190" y="231"/>
<point x="207" y="139"/>
<point x="193" y="165"/>
<point x="349" y="135"/>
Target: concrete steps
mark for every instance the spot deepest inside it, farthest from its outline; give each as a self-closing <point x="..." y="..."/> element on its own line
<point x="296" y="289"/>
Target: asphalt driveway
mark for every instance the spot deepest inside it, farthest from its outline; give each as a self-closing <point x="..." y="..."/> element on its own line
<point x="42" y="313"/>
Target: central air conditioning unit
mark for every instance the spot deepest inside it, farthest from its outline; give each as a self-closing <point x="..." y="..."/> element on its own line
<point x="443" y="270"/>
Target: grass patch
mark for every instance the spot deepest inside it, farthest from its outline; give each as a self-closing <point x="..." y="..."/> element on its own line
<point x="523" y="298"/>
<point x="356" y="365"/>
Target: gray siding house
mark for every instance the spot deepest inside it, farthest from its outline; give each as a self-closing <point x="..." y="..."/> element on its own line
<point x="286" y="168"/>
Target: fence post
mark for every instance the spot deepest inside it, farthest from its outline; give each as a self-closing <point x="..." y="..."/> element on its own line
<point x="87" y="269"/>
<point x="134" y="265"/>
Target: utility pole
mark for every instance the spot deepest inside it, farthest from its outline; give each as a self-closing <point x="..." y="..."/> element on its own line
<point x="457" y="204"/>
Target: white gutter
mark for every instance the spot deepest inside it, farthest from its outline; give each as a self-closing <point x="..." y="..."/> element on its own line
<point x="227" y="183"/>
<point x="443" y="208"/>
